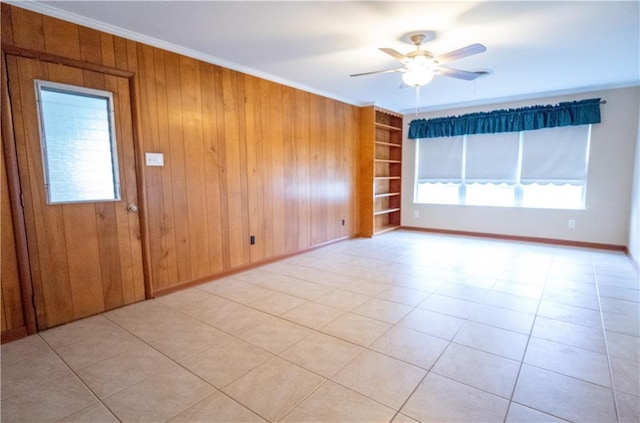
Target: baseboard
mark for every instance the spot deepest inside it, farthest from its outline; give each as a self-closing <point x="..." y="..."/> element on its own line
<point x="194" y="282"/>
<point x="13" y="334"/>
<point x="551" y="241"/>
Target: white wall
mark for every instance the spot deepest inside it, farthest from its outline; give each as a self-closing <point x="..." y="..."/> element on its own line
<point x="634" y="224"/>
<point x="609" y="185"/>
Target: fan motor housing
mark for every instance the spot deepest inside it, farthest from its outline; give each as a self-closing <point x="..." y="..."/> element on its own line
<point x="424" y="53"/>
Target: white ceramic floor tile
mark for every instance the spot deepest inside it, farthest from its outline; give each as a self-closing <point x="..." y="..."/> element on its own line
<point x="322" y="354"/>
<point x="121" y="371"/>
<point x="439" y="399"/>
<point x="488" y="372"/>
<point x="570" y="361"/>
<point x="274" y="335"/>
<point x="521" y="414"/>
<point x="25" y="349"/>
<point x="277" y="303"/>
<point x="273" y="388"/>
<point x="237" y="290"/>
<point x="571" y="334"/>
<point x="347" y="333"/>
<point x="627" y="308"/>
<point x="184" y="298"/>
<point x="40" y="366"/>
<point x="493" y="340"/>
<point x="503" y="318"/>
<point x="334" y="403"/>
<point x="312" y="315"/>
<point x="411" y="346"/>
<point x="463" y="292"/>
<point x="402" y="295"/>
<point x="52" y="400"/>
<point x="224" y="363"/>
<point x="626" y="375"/>
<point x="217" y="408"/>
<point x="432" y="323"/>
<point x="190" y="340"/>
<point x="621" y="324"/>
<point x="96" y="413"/>
<point x="342" y="299"/>
<point x="159" y="397"/>
<point x="401" y="418"/>
<point x="357" y="329"/>
<point x="385" y="311"/>
<point x="570" y="314"/>
<point x="628" y="408"/>
<point x="384" y="379"/>
<point x="623" y="346"/>
<point x="563" y="396"/>
<point x="533" y="291"/>
<point x="511" y="302"/>
<point x="449" y="305"/>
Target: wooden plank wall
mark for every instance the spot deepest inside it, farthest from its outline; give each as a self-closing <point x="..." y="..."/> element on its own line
<point x="11" y="313"/>
<point x="243" y="156"/>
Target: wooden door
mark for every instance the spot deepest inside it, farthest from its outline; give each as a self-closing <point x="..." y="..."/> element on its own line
<point x="84" y="257"/>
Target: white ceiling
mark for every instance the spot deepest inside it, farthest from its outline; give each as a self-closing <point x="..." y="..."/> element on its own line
<point x="534" y="48"/>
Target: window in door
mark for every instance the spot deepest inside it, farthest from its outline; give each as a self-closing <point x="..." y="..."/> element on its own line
<point x="78" y="143"/>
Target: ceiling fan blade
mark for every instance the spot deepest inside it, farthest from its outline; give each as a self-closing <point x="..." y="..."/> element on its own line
<point x="380" y="71"/>
<point x="393" y="53"/>
<point x="460" y="74"/>
<point x="461" y="52"/>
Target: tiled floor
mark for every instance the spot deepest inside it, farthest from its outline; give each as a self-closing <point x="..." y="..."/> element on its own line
<point x="403" y="327"/>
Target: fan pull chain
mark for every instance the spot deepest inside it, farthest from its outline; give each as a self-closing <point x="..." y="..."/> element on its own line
<point x="417" y="99"/>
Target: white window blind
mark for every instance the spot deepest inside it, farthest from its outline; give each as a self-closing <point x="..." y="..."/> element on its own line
<point x="556" y="155"/>
<point x="545" y="168"/>
<point x="440" y="160"/>
<point x="492" y="158"/>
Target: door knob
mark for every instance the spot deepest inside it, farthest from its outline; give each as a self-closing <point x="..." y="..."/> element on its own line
<point x="132" y="208"/>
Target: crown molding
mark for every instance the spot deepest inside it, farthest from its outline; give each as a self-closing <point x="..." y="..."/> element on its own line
<point x="54" y="12"/>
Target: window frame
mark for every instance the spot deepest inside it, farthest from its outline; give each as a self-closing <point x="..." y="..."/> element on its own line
<point x="518" y="187"/>
<point x="86" y="92"/>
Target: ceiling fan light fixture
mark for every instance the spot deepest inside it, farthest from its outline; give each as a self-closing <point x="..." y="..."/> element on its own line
<point x="418" y="76"/>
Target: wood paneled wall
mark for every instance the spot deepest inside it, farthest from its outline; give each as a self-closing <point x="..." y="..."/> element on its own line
<point x="242" y="156"/>
<point x="13" y="323"/>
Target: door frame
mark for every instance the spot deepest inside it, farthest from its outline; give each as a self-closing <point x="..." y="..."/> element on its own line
<point x="13" y="177"/>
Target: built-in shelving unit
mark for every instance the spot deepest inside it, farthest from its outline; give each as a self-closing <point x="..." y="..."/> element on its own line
<point x="381" y="170"/>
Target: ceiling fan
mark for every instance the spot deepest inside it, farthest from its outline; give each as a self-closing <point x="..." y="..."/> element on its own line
<point x="420" y="66"/>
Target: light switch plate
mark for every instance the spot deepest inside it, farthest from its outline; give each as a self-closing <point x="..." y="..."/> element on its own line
<point x="154" y="159"/>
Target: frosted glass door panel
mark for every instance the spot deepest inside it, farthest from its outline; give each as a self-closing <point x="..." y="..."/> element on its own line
<point x="78" y="144"/>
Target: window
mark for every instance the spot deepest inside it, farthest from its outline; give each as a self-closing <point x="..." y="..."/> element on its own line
<point x="545" y="168"/>
<point x="78" y="143"/>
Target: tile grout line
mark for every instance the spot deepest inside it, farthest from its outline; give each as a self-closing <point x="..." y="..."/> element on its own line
<point x="552" y="371"/>
<point x="369" y="347"/>
<point x="530" y="331"/>
<point x="218" y="390"/>
<point x="326" y="379"/>
<point x="526" y="347"/>
<point x="293" y="407"/>
<point x="429" y="371"/>
<point x="606" y="342"/>
<point x="77" y="376"/>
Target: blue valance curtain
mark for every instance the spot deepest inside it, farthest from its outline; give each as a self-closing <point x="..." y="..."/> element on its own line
<point x="509" y="120"/>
